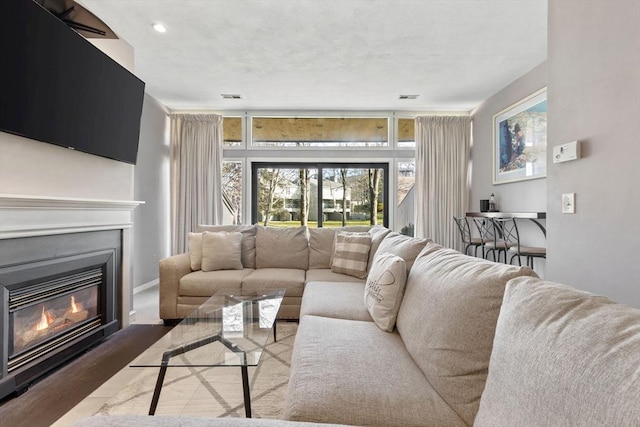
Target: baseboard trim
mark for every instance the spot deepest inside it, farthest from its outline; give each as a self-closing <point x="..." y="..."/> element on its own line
<point x="146" y="286"/>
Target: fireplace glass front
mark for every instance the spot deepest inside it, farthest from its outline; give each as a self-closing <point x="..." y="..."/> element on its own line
<point x="53" y="315"/>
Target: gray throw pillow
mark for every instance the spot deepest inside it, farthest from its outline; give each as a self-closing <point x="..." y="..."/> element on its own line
<point x="221" y="250"/>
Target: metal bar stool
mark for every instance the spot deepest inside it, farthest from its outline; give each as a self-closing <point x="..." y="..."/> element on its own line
<point x="492" y="239"/>
<point x="508" y="227"/>
<point x="467" y="240"/>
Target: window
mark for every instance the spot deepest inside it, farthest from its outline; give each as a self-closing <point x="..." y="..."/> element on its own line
<point x="406" y="133"/>
<point x="231" y="132"/>
<point x="320" y="144"/>
<point x="320" y="132"/>
<point x="405" y="209"/>
<point x="320" y="194"/>
<point x="232" y="191"/>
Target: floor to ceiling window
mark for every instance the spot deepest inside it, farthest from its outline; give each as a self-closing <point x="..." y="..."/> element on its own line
<point x="322" y="169"/>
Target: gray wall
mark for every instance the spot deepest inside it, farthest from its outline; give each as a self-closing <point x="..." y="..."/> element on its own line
<point x="594" y="96"/>
<point x="522" y="196"/>
<point x="151" y="231"/>
<point x="593" y="82"/>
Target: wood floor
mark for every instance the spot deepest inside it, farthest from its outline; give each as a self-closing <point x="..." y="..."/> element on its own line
<point x="54" y="395"/>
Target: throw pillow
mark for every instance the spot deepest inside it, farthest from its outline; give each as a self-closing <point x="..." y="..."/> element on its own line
<point x="384" y="289"/>
<point x="195" y="250"/>
<point x="351" y="254"/>
<point x="248" y="240"/>
<point x="221" y="251"/>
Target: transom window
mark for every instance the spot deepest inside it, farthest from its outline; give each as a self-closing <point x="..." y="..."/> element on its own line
<point x="320" y="132"/>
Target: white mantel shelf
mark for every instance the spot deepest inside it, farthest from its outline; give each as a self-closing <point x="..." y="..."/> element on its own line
<point x="26" y="215"/>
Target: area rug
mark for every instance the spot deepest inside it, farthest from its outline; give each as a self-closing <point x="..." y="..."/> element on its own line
<point x="213" y="392"/>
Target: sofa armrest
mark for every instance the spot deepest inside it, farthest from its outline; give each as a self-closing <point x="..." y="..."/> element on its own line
<point x="172" y="269"/>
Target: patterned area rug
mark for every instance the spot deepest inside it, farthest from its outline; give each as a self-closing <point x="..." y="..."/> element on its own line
<point x="213" y="392"/>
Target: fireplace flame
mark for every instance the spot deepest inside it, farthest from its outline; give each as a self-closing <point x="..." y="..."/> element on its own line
<point x="74" y="307"/>
<point x="44" y="321"/>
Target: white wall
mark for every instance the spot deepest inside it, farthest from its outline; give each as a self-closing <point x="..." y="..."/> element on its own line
<point x="523" y="196"/>
<point x="594" y="96"/>
<point x="151" y="231"/>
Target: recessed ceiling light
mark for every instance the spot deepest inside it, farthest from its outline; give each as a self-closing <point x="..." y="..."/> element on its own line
<point x="230" y="96"/>
<point x="159" y="28"/>
<point x="408" y="97"/>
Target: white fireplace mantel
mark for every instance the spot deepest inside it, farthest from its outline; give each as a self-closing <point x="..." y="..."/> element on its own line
<point x="29" y="216"/>
<point x="26" y="216"/>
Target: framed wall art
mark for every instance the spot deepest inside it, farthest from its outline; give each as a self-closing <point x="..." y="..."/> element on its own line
<point x="520" y="140"/>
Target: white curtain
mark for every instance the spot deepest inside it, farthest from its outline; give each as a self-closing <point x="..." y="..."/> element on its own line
<point x="196" y="175"/>
<point x="442" y="164"/>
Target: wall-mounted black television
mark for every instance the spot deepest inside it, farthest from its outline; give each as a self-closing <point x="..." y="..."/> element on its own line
<point x="56" y="87"/>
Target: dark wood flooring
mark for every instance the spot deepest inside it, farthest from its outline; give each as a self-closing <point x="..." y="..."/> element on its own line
<point x="55" y="394"/>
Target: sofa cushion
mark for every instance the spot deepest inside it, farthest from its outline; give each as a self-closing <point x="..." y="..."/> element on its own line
<point x="337" y="300"/>
<point x="384" y="289"/>
<point x="351" y="372"/>
<point x="326" y="275"/>
<point x="378" y="234"/>
<point x="403" y="246"/>
<point x="206" y="283"/>
<point x="286" y="247"/>
<point x="451" y="307"/>
<point x="275" y="278"/>
<point x="320" y="247"/>
<point x="221" y="250"/>
<point x="351" y="253"/>
<point x="248" y="240"/>
<point x="562" y="357"/>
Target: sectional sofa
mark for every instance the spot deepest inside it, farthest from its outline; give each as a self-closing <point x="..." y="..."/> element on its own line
<point x="474" y="343"/>
<point x="426" y="337"/>
<point x="247" y="258"/>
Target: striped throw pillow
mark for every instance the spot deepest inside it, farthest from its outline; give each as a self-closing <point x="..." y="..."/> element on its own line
<point x="351" y="253"/>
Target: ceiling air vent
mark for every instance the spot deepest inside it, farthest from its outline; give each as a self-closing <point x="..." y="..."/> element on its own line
<point x="408" y="97"/>
<point x="230" y="96"/>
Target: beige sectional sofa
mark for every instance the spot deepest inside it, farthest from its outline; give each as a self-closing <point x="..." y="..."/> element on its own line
<point x="476" y="343"/>
<point x="271" y="257"/>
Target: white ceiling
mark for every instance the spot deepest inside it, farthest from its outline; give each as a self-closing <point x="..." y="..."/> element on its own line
<point x="329" y="55"/>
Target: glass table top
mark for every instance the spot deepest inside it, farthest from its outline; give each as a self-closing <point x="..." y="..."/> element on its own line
<point x="228" y="329"/>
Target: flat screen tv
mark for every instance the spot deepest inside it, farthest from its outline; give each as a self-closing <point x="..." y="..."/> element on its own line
<point x="57" y="87"/>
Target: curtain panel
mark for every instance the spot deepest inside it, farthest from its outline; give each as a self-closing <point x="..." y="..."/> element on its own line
<point x="196" y="175"/>
<point x="442" y="164"/>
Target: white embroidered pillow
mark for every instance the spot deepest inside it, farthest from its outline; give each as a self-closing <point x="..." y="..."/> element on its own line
<point x="351" y="254"/>
<point x="384" y="289"/>
<point x="221" y="250"/>
<point x="195" y="250"/>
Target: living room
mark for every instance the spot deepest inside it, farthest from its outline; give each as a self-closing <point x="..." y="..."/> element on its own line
<point x="590" y="70"/>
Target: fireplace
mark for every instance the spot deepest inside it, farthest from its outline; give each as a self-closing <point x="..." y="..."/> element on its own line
<point x="56" y="252"/>
<point x="59" y="297"/>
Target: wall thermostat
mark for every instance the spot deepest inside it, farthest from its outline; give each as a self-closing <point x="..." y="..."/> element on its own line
<point x="566" y="152"/>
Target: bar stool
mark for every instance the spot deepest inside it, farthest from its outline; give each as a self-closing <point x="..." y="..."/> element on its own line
<point x="492" y="241"/>
<point x="467" y="239"/>
<point x="509" y="231"/>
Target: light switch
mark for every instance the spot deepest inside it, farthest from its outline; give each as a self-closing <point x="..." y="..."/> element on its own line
<point x="569" y="203"/>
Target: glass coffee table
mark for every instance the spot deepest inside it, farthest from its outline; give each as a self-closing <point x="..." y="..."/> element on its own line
<point x="228" y="329"/>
